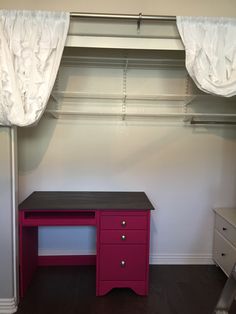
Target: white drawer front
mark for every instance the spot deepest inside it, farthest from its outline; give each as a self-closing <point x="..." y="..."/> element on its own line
<point x="226" y="229"/>
<point x="224" y="253"/>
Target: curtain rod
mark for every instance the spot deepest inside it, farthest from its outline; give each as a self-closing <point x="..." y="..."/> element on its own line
<point x="124" y="16"/>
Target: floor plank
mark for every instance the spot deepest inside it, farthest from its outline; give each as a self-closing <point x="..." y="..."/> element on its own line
<point x="174" y="289"/>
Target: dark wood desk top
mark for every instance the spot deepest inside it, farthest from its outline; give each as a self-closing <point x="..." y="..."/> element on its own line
<point x="86" y="201"/>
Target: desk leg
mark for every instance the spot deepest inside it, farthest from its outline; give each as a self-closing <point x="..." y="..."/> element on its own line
<point x="28" y="242"/>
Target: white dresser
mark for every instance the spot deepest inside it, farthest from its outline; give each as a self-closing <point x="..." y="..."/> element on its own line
<point x="224" y="251"/>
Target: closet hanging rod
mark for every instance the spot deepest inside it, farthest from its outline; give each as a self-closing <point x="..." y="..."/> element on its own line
<point x="124" y="16"/>
<point x="212" y="122"/>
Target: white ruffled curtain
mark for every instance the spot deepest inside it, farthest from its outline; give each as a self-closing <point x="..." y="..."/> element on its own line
<point x="31" y="46"/>
<point x="210" y="45"/>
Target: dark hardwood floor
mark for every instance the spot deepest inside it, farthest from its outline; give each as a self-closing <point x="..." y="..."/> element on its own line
<point x="174" y="289"/>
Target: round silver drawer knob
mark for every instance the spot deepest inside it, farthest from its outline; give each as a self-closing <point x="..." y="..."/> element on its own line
<point x="122" y="263"/>
<point x="123" y="237"/>
<point x="123" y="223"/>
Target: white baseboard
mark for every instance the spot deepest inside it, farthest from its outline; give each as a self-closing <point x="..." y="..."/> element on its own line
<point x="184" y="259"/>
<point x="8" y="306"/>
<point x="155" y="259"/>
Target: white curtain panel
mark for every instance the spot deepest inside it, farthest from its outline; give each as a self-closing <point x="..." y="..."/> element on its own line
<point x="31" y="46"/>
<point x="210" y="45"/>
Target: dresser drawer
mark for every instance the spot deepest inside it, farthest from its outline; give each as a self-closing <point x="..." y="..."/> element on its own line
<point x="226" y="229"/>
<point x="124" y="222"/>
<point x="123" y="236"/>
<point x="123" y="262"/>
<point x="224" y="253"/>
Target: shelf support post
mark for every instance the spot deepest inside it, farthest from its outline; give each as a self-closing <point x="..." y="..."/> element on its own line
<point x="124" y="89"/>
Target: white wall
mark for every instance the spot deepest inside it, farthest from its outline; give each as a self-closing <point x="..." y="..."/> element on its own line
<point x="158" y="7"/>
<point x="185" y="172"/>
<point x="6" y="242"/>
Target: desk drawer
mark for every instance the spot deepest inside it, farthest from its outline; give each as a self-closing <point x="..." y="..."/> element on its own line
<point x="226" y="229"/>
<point x="224" y="253"/>
<point x="123" y="262"/>
<point x="124" y="222"/>
<point x="123" y="236"/>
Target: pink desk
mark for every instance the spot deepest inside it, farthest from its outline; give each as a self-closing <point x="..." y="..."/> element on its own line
<point x="122" y="221"/>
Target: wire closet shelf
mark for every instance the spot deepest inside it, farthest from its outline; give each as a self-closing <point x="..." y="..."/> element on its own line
<point x="192" y="118"/>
